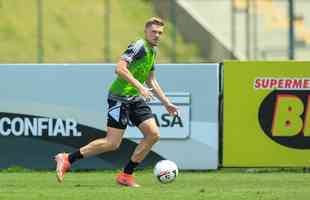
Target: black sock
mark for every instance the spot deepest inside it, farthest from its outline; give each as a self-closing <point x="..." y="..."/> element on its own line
<point x="130" y="167"/>
<point x="75" y="156"/>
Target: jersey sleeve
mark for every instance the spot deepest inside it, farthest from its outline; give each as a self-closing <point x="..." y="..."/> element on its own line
<point x="134" y="51"/>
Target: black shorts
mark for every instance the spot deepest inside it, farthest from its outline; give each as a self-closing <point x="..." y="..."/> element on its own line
<point x="132" y="112"/>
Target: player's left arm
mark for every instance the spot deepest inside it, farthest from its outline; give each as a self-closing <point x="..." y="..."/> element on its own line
<point x="159" y="93"/>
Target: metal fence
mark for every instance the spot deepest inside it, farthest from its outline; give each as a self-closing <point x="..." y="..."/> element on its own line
<point x="79" y="31"/>
<point x="271" y="29"/>
<point x="97" y="31"/>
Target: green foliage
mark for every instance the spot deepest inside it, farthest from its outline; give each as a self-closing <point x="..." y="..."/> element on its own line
<point x="73" y="31"/>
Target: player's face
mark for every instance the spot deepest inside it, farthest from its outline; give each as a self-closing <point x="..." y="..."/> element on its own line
<point x="153" y="34"/>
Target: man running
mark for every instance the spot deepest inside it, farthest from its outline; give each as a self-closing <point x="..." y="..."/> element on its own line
<point x="127" y="103"/>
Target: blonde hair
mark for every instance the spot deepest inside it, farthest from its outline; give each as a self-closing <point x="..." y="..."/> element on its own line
<point x="154" y="20"/>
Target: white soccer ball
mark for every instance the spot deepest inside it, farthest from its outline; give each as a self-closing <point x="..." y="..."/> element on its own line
<point x="166" y="171"/>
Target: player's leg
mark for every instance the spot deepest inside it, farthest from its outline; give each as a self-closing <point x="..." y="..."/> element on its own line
<point x="150" y="132"/>
<point x="143" y="118"/>
<point x="151" y="136"/>
<point x="110" y="143"/>
<point x="141" y="115"/>
<point x="117" y="123"/>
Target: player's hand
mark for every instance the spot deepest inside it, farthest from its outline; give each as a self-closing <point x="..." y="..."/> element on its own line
<point x="146" y="93"/>
<point x="172" y="109"/>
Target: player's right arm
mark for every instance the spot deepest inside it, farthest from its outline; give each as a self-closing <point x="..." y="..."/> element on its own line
<point x="132" y="53"/>
<point x="123" y="72"/>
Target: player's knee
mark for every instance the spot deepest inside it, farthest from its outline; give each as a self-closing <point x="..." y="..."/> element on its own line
<point x="154" y="136"/>
<point x="113" y="145"/>
<point x="101" y="145"/>
<point x="107" y="145"/>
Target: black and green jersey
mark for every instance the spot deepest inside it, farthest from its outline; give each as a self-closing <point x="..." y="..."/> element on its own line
<point x="140" y="56"/>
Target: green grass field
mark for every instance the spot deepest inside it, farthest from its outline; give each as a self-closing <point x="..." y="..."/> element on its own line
<point x="189" y="186"/>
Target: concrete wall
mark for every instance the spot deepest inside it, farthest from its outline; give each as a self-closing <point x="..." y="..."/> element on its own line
<point x="194" y="31"/>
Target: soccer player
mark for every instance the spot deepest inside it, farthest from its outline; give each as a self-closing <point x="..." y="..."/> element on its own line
<point x="127" y="102"/>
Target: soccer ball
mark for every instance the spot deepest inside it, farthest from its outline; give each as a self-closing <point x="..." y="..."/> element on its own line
<point x="166" y="171"/>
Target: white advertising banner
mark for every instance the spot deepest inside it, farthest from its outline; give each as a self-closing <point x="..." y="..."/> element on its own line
<point x="51" y="108"/>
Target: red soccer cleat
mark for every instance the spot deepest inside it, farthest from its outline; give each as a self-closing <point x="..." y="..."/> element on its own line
<point x="62" y="165"/>
<point x="126" y="180"/>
